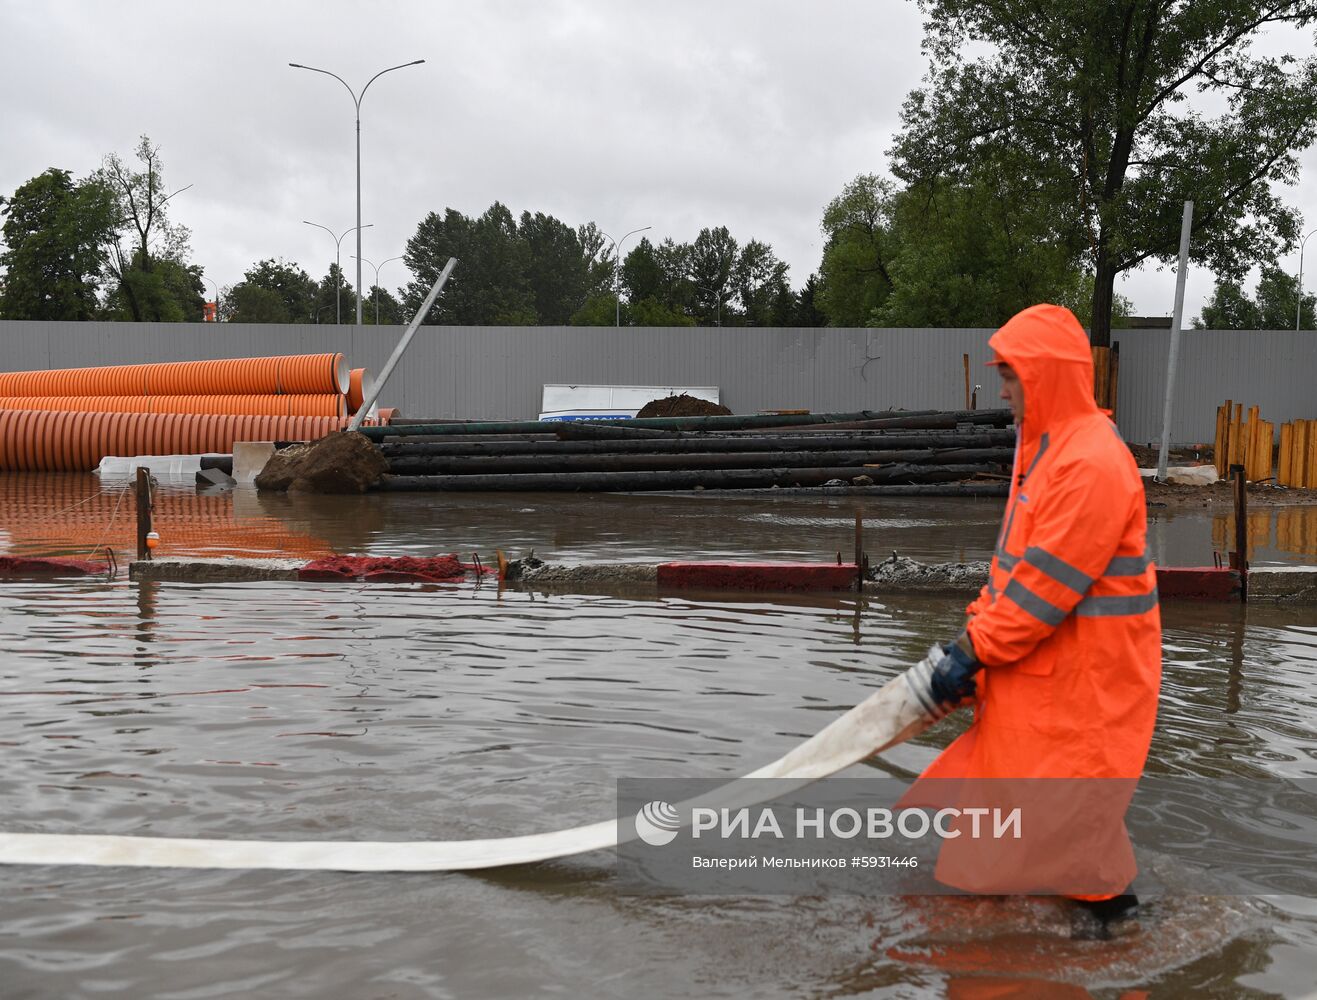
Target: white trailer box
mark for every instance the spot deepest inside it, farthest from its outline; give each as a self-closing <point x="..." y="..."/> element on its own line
<point x="610" y="402"/>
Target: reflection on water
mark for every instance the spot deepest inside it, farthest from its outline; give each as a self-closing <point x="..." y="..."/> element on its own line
<point x="47" y="514"/>
<point x="1289" y="530"/>
<point x="419" y="712"/>
<point x="399" y="712"/>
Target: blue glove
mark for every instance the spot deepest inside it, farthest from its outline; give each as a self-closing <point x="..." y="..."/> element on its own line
<point x="945" y="677"/>
<point x="953" y="675"/>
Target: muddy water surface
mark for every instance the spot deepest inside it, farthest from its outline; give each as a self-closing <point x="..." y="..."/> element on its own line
<point x="405" y="712"/>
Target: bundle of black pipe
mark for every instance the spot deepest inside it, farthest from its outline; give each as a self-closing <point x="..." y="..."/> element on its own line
<point x="926" y="451"/>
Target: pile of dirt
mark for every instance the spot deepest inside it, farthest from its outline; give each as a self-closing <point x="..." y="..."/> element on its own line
<point x="341" y="462"/>
<point x="682" y="405"/>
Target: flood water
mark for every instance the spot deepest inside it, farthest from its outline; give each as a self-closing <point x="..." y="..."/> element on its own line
<point x="398" y="712"/>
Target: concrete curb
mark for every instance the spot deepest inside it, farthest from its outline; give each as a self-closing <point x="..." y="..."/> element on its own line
<point x="894" y="576"/>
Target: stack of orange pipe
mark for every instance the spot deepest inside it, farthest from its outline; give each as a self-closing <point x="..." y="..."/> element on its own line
<point x="298" y="374"/>
<point x="302" y="405"/>
<point x="60" y="441"/>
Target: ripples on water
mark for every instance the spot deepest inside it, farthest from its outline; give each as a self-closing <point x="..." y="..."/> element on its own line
<point x="400" y="712"/>
<point x="394" y="712"/>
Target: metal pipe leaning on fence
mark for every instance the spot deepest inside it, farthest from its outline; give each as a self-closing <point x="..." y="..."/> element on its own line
<point x="396" y="356"/>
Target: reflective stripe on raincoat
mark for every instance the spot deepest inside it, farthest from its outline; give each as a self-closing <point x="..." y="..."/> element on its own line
<point x="1068" y="627"/>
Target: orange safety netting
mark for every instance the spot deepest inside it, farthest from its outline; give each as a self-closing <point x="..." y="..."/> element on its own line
<point x="292" y="375"/>
<point x="391" y="569"/>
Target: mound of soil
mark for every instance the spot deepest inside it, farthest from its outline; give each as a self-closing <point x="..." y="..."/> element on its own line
<point x="338" y="463"/>
<point x="682" y="405"/>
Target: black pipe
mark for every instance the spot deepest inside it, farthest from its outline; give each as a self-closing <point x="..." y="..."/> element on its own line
<point x="705" y="479"/>
<point x="735" y="422"/>
<point x="702" y="443"/>
<point x="515" y="464"/>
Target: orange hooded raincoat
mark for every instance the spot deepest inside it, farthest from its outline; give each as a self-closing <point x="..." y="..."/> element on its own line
<point x="1068" y="627"/>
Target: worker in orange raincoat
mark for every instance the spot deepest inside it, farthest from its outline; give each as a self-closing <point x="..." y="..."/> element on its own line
<point x="1065" y="639"/>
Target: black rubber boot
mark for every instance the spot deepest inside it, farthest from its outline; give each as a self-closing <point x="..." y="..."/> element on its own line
<point x="1093" y="918"/>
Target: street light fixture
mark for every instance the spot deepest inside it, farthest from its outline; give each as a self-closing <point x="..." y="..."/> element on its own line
<point x="356" y="101"/>
<point x="338" y="267"/>
<point x="717" y="292"/>
<point x="217" y="302"/>
<point x="617" y="271"/>
<point x="1298" y="310"/>
<point x="377" y="283"/>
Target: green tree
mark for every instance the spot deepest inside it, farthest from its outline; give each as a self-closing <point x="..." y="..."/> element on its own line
<point x="972" y="255"/>
<point x="650" y="312"/>
<point x="145" y="239"/>
<point x="711" y="260"/>
<point x="853" y="277"/>
<point x="381" y="303"/>
<point x="272" y="291"/>
<point x="55" y="233"/>
<point x="335" y="299"/>
<point x="1088" y="104"/>
<point x="804" y="311"/>
<point x="557" y="268"/>
<point x="249" y="303"/>
<point x="759" y="281"/>
<point x="1276" y="306"/>
<point x="490" y="286"/>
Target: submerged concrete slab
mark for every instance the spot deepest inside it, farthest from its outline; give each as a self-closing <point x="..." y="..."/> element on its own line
<point x="895" y="575"/>
<point x="219" y="570"/>
<point x="1297" y="584"/>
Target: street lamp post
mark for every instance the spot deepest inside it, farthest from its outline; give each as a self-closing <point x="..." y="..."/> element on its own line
<point x="1298" y="310"/>
<point x="717" y="292"/>
<point x="338" y="267"/>
<point x="356" y="101"/>
<point x="377" y="283"/>
<point x="217" y="304"/>
<point x="617" y="271"/>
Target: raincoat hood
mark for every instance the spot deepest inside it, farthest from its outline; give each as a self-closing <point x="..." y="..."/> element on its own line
<point x="1050" y="353"/>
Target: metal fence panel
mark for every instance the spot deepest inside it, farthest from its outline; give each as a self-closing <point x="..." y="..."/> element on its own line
<point x="498" y="372"/>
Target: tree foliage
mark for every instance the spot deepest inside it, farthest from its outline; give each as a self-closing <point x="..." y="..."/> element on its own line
<point x="941" y="254"/>
<point x="1274" y="307"/>
<point x="1086" y="106"/>
<point x="55" y="234"/>
<point x="147" y="265"/>
<point x="335" y="299"/>
<point x="272" y="291"/>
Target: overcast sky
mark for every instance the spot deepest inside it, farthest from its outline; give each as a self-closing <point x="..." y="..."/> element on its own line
<point x="677" y="115"/>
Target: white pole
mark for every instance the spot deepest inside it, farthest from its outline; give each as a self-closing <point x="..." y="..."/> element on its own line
<point x="1178" y="317"/>
<point x="1298" y="310"/>
<point x="407" y="335"/>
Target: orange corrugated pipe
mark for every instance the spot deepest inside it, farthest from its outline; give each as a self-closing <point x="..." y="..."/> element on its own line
<point x="359" y="383"/>
<point x="299" y="374"/>
<point x="62" y="441"/>
<point x="323" y="405"/>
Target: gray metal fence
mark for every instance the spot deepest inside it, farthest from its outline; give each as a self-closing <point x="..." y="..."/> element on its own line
<point x="498" y="372"/>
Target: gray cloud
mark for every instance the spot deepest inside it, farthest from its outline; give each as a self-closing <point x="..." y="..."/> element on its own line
<point x="745" y="113"/>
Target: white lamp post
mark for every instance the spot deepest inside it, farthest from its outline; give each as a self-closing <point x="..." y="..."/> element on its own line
<point x="1298" y="310"/>
<point x="338" y="267"/>
<point x="377" y="283"/>
<point x="356" y="101"/>
<point x="617" y="271"/>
